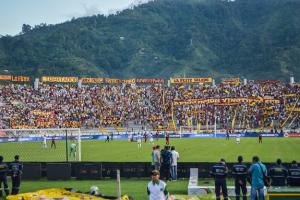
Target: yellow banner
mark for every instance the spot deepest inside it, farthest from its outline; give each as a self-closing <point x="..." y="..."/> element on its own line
<point x="14" y="78"/>
<point x="292" y="110"/>
<point x="41" y="113"/>
<point x="231" y="81"/>
<point x="154" y="119"/>
<point x="129" y="81"/>
<point x="5" y="78"/>
<point x="290" y="95"/>
<point x="92" y="80"/>
<point x="191" y="80"/>
<point x="150" y="80"/>
<point x="20" y="78"/>
<point x="113" y="81"/>
<point x="59" y="79"/>
<point x="225" y="101"/>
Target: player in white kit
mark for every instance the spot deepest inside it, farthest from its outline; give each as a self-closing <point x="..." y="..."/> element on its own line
<point x="238" y="139"/>
<point x="44" y="141"/>
<point x="139" y="140"/>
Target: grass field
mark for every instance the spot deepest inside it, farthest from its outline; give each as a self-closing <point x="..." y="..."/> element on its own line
<point x="191" y="150"/>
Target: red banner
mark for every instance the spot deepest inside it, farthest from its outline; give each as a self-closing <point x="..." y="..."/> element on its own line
<point x="294" y="134"/>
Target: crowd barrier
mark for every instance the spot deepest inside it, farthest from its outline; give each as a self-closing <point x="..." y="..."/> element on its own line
<point x="101" y="170"/>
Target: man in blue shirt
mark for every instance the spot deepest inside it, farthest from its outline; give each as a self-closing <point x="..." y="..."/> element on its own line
<point x="257" y="172"/>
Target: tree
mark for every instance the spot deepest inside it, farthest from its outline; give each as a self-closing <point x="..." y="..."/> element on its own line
<point x="26" y="28"/>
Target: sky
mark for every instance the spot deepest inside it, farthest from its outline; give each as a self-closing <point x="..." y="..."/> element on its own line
<point x="15" y="13"/>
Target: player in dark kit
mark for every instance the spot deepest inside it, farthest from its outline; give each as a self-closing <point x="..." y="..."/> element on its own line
<point x="167" y="139"/>
<point x="3" y="177"/>
<point x="107" y="138"/>
<point x="145" y="137"/>
<point x="53" y="142"/>
<point x="219" y="172"/>
<point x="15" y="169"/>
<point x="227" y="135"/>
<point x="157" y="135"/>
<point x="240" y="173"/>
<point x="260" y="138"/>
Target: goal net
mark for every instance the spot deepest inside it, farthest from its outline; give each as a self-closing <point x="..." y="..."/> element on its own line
<point x="41" y="145"/>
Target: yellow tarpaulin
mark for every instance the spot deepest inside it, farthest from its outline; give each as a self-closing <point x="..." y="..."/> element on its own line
<point x="55" y="193"/>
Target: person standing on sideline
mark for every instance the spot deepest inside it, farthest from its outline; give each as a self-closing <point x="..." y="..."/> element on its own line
<point x="15" y="169"/>
<point x="278" y="174"/>
<point x="175" y="157"/>
<point x="294" y="174"/>
<point x="3" y="177"/>
<point x="257" y="172"/>
<point x="152" y="158"/>
<point x="219" y="172"/>
<point x="157" y="189"/>
<point x="166" y="159"/>
<point x="240" y="173"/>
<point x="156" y="158"/>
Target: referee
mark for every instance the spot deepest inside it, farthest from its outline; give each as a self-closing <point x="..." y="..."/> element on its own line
<point x="219" y="172"/>
<point x="239" y="173"/>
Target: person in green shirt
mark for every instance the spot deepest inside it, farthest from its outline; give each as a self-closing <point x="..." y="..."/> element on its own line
<point x="73" y="150"/>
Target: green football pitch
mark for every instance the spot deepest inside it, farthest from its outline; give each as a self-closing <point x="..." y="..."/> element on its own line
<point x="190" y="150"/>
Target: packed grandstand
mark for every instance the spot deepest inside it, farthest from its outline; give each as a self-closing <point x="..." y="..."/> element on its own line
<point x="153" y="105"/>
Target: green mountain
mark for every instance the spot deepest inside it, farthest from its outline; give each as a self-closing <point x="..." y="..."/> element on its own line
<point x="257" y="39"/>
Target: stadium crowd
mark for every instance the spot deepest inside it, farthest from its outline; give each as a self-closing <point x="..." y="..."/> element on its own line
<point x="271" y="104"/>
